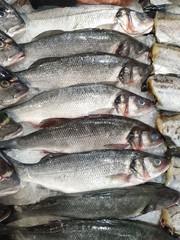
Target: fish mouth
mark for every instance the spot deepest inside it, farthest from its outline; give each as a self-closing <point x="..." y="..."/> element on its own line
<point x="6" y="215"/>
<point x="17" y="30"/>
<point x="10" y="191"/>
<point x="16" y="58"/>
<point x="15" y="134"/>
<point x="21" y="94"/>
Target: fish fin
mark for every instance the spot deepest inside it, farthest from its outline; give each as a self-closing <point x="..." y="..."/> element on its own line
<point x="41" y="61"/>
<point x="125" y="178"/>
<point x="51" y="155"/>
<point x="47" y="34"/>
<point x="117" y="146"/>
<point x="101" y="111"/>
<point x="50" y="121"/>
<point x="166" y="221"/>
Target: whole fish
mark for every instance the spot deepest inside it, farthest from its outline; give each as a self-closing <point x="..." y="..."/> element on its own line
<point x="12" y="90"/>
<point x="112" y="203"/>
<point x="89" y="133"/>
<point x="9" y="182"/>
<point x="5" y="212"/>
<point x="84" y="68"/>
<point x="10" y="21"/>
<point x="166" y="28"/>
<point x="79" y="101"/>
<point x="8" y="127"/>
<point x="170" y="219"/>
<point x="166" y="89"/>
<point x="95" y="170"/>
<point x="88" y="229"/>
<point x="123" y="20"/>
<point x="169" y="126"/>
<point x="10" y="52"/>
<point x="165" y="59"/>
<point x="60" y="44"/>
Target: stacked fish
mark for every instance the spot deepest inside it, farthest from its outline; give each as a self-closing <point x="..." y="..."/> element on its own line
<point x="78" y="139"/>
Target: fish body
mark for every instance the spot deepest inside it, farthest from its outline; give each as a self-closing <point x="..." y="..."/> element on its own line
<point x="10" y="21"/>
<point x="165" y="59"/>
<point x="79" y="101"/>
<point x="87" y="40"/>
<point x="10" y="52"/>
<point x="166" y="89"/>
<point x="84" y="68"/>
<point x="89" y="133"/>
<point x="169" y="126"/>
<point x="123" y="20"/>
<point x="112" y="203"/>
<point x="89" y="229"/>
<point x="12" y="90"/>
<point x="90" y="171"/>
<point x="167" y="28"/>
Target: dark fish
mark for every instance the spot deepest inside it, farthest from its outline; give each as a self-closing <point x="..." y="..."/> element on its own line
<point x="5" y="212"/>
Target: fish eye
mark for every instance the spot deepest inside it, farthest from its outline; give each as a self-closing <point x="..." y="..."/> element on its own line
<point x="118" y="100"/>
<point x="157" y="162"/>
<point x="2" y="12"/>
<point x="1" y="44"/>
<point x="141" y="16"/>
<point x="141" y="102"/>
<point x="154" y="136"/>
<point x="5" y="84"/>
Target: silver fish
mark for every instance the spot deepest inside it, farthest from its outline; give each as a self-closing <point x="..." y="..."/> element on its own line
<point x="88" y="133"/>
<point x="166" y="28"/>
<point x="123" y="20"/>
<point x="58" y="44"/>
<point x="81" y="100"/>
<point x="12" y="90"/>
<point x="10" y="52"/>
<point x="10" y="21"/>
<point x="90" y="171"/>
<point x="166" y="89"/>
<point x="169" y="126"/>
<point x="84" y="68"/>
<point x="165" y="59"/>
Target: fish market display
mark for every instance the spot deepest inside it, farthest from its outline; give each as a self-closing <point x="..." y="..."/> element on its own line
<point x="169" y="126"/>
<point x="10" y="52"/>
<point x="9" y="182"/>
<point x="88" y="229"/>
<point x="89" y="171"/>
<point x="84" y="68"/>
<point x="81" y="100"/>
<point x="10" y="21"/>
<point x="166" y="59"/>
<point x="89" y="133"/>
<point x="166" y="89"/>
<point x="123" y="20"/>
<point x="8" y="127"/>
<point x="12" y="90"/>
<point x="112" y="203"/>
<point x="59" y="44"/>
<point x="167" y="28"/>
<point x="5" y="212"/>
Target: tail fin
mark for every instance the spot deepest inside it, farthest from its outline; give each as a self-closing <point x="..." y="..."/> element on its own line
<point x="8" y="144"/>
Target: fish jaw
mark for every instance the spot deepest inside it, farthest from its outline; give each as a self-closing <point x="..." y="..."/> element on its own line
<point x="15" y="59"/>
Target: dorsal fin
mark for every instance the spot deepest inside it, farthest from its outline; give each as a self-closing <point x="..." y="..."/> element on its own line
<point x="47" y="34"/>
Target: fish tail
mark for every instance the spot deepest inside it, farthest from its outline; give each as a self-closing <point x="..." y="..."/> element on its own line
<point x="9" y="144"/>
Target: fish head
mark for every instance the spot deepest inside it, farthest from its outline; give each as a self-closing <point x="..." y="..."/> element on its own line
<point x="135" y="50"/>
<point x="9" y="182"/>
<point x="146" y="166"/>
<point x="11" y="88"/>
<point x="10" y="21"/>
<point x="134" y="23"/>
<point x="144" y="137"/>
<point x="134" y="72"/>
<point x="10" y="52"/>
<point x="129" y="104"/>
<point x="8" y="127"/>
<point x="5" y="211"/>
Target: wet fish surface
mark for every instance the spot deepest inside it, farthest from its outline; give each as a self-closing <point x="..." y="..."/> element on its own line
<point x="166" y="89"/>
<point x="79" y="101"/>
<point x="166" y="28"/>
<point x="59" y="44"/>
<point x="5" y="212"/>
<point x="165" y="59"/>
<point x="12" y="90"/>
<point x="112" y="203"/>
<point x="84" y="68"/>
<point x="89" y="133"/>
<point x="123" y="20"/>
<point x="89" y="229"/>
